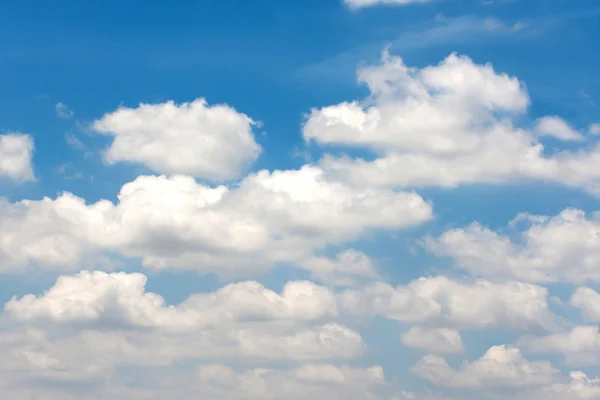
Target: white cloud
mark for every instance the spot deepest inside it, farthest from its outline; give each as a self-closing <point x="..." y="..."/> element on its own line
<point x="444" y="125"/>
<point x="211" y="142"/>
<point x="565" y="247"/>
<point x="500" y="366"/>
<point x="16" y="154"/>
<point x="64" y="112"/>
<point x="219" y="381"/>
<point x="348" y="268"/>
<point x="435" y="340"/>
<point x="594" y="129"/>
<point x="588" y="301"/>
<point x="556" y="127"/>
<point x="442" y="302"/>
<point x="370" y="3"/>
<point x="110" y="320"/>
<point x="176" y="222"/>
<point x="579" y="387"/>
<point x="580" y="345"/>
<point x="95" y="295"/>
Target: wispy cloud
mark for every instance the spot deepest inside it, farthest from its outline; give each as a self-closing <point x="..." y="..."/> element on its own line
<point x="64" y="112"/>
<point x="440" y="31"/>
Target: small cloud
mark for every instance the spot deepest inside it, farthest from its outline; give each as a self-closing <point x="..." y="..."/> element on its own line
<point x="594" y="129"/>
<point x="64" y="112"/>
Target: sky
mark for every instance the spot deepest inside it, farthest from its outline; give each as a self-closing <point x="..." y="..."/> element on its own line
<point x="317" y="199"/>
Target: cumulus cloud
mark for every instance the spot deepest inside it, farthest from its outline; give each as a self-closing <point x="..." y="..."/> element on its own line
<point x="556" y="127"/>
<point x="578" y="387"/>
<point x="434" y="340"/>
<point x="110" y="320"/>
<point x="445" y="125"/>
<point x="348" y="268"/>
<point x="219" y="381"/>
<point x="588" y="301"/>
<point x="563" y="248"/>
<point x="500" y="366"/>
<point x="441" y="302"/>
<point x="580" y="345"/>
<point x="211" y="142"/>
<point x="16" y="154"/>
<point x="176" y="222"/>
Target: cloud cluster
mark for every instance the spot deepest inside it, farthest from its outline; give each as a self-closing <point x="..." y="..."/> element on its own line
<point x="561" y="248"/>
<point x="445" y="125"/>
<point x="175" y="222"/>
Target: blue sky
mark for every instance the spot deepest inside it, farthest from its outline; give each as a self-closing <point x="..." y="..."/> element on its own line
<point x="438" y="181"/>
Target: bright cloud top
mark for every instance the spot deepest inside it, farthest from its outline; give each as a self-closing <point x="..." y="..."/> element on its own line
<point x="211" y="142"/>
<point x="280" y="216"/>
<point x="445" y="125"/>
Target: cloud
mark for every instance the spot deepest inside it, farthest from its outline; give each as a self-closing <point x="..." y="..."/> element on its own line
<point x="500" y="366"/>
<point x="210" y="142"/>
<point x="588" y="301"/>
<point x="436" y="340"/>
<point x="369" y="3"/>
<point x="348" y="268"/>
<point x="16" y="155"/>
<point x="110" y="320"/>
<point x="445" y="125"/>
<point x="580" y="345"/>
<point x="63" y="112"/>
<point x="594" y="129"/>
<point x="442" y="302"/>
<point x="579" y="387"/>
<point x="563" y="248"/>
<point x="220" y="381"/>
<point x="556" y="127"/>
<point x="174" y="222"/>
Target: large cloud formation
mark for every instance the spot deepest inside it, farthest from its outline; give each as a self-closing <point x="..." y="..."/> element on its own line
<point x="445" y="125"/>
<point x="175" y="222"/>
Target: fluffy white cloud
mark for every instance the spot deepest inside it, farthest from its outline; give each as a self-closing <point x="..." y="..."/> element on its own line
<point x="500" y="366"/>
<point x="579" y="387"/>
<point x="556" y="127"/>
<point x="348" y="268"/>
<point x="16" y="153"/>
<point x="370" y="3"/>
<point x="219" y="381"/>
<point x="176" y="222"/>
<point x="121" y="297"/>
<point x="440" y="301"/>
<point x="110" y="320"/>
<point x="588" y="301"/>
<point x="434" y="340"/>
<point x="212" y="142"/>
<point x="444" y="125"/>
<point x="580" y="346"/>
<point x="565" y="247"/>
<point x="594" y="129"/>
